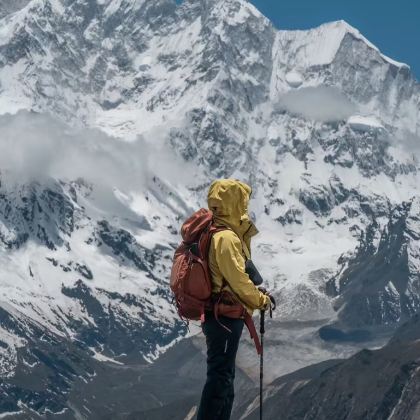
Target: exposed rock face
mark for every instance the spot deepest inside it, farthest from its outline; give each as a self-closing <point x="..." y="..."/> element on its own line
<point x="380" y="284"/>
<point x="370" y="385"/>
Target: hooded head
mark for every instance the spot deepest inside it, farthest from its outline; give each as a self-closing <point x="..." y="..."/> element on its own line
<point x="228" y="199"/>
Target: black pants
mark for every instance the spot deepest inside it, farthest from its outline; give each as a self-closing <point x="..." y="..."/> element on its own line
<point x="222" y="346"/>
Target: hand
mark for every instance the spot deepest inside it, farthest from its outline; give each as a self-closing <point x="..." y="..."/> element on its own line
<point x="267" y="293"/>
<point x="263" y="290"/>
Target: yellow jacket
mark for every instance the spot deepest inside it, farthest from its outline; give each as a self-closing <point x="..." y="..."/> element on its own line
<point x="228" y="200"/>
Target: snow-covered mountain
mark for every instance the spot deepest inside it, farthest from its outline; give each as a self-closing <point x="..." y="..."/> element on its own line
<point x="9" y="6"/>
<point x="322" y="125"/>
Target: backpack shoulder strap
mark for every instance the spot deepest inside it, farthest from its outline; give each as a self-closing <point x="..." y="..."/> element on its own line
<point x="213" y="229"/>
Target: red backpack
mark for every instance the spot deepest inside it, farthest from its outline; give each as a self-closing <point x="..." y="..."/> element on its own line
<point x="190" y="276"/>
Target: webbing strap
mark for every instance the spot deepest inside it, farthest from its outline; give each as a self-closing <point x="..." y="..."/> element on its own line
<point x="248" y="322"/>
<point x="253" y="332"/>
<point x="216" y="316"/>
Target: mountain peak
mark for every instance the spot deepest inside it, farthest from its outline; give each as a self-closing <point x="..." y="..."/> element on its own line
<point x="226" y="6"/>
<point x="342" y="24"/>
<point x="341" y="28"/>
<point x="320" y="45"/>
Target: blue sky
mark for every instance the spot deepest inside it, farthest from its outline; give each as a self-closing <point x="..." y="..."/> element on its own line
<point x="392" y="25"/>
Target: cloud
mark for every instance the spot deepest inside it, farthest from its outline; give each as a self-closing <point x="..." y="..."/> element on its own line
<point x="321" y="103"/>
<point x="37" y="145"/>
<point x="408" y="140"/>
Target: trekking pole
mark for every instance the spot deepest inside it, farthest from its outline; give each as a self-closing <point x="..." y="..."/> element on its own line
<point x="262" y="331"/>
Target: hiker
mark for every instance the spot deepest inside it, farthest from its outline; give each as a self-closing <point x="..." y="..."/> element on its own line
<point x="231" y="285"/>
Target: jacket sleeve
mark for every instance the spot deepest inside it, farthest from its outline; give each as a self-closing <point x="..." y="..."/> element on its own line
<point x="231" y="263"/>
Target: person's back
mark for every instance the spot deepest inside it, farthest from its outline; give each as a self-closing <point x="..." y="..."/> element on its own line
<point x="229" y="249"/>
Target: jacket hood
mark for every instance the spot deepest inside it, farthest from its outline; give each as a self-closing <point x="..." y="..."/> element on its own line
<point x="228" y="199"/>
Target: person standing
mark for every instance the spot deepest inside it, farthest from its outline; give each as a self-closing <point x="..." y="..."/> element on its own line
<point x="228" y="200"/>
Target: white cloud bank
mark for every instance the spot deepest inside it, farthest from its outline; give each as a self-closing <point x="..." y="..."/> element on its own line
<point x="321" y="103"/>
<point x="36" y="145"/>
